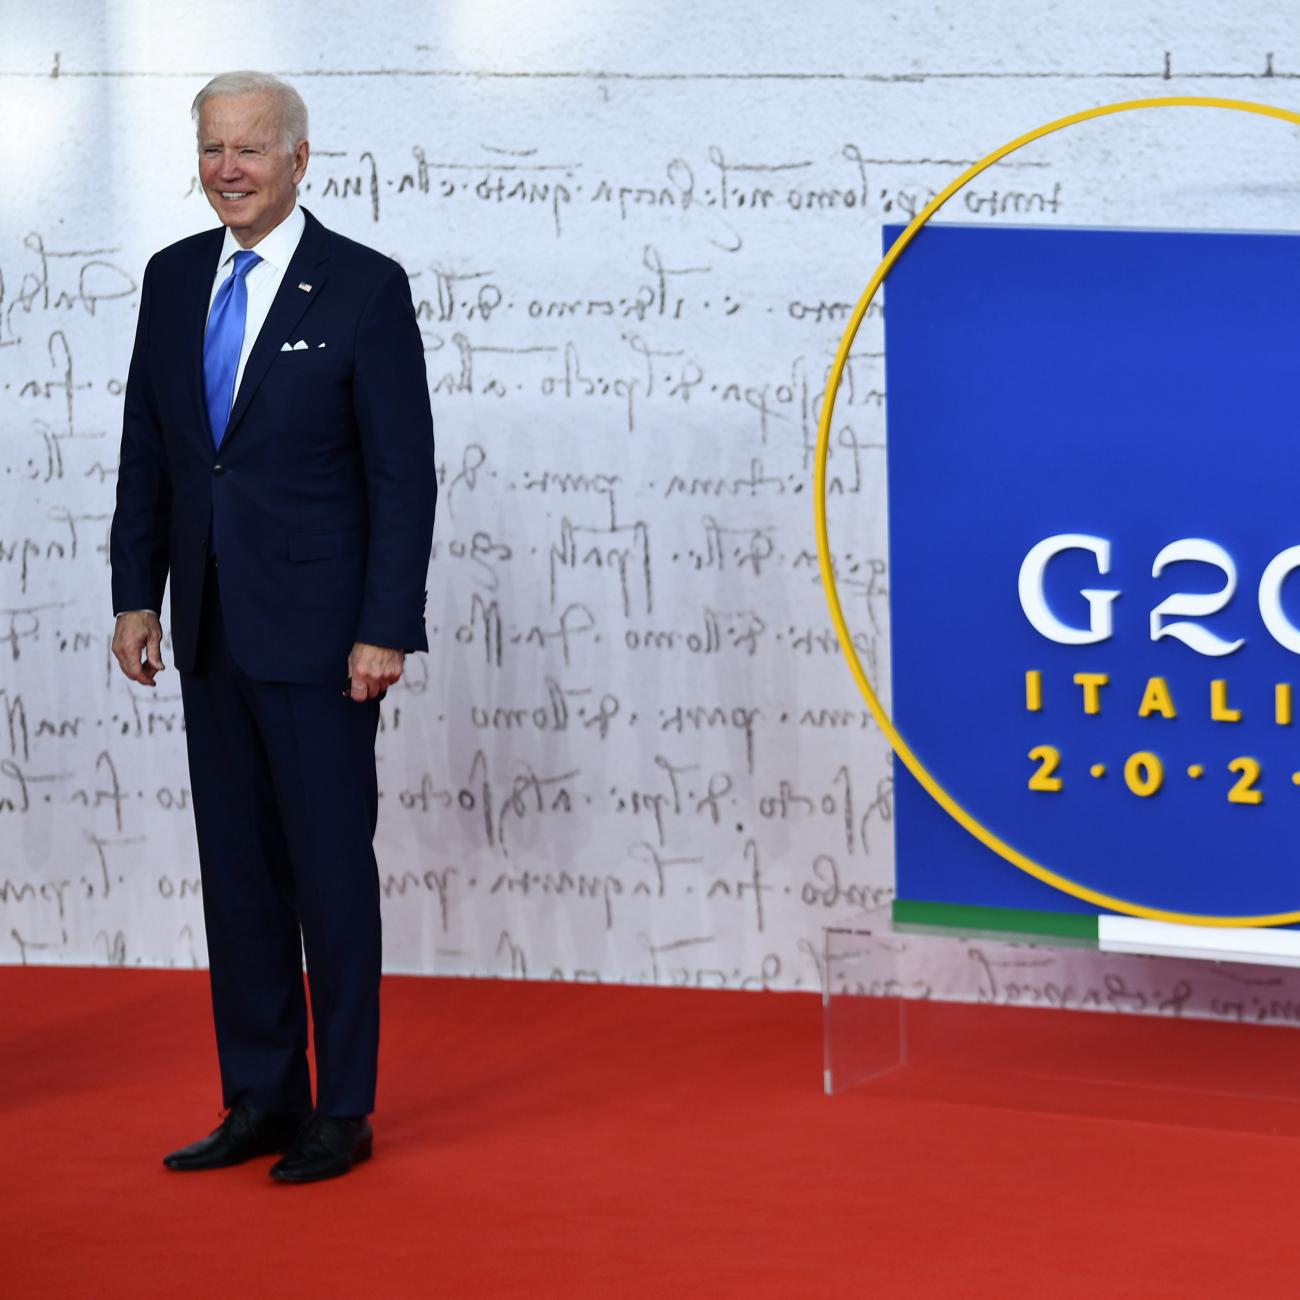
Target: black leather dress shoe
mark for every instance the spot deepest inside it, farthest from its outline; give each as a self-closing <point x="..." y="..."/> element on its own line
<point x="244" y="1133"/>
<point x="325" y="1147"/>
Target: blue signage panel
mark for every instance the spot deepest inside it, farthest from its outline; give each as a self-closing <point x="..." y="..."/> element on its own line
<point x="1094" y="486"/>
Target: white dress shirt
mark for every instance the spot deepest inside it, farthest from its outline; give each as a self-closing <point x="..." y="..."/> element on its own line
<point x="263" y="281"/>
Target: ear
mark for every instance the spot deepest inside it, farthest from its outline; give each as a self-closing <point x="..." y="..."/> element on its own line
<point x="301" y="152"/>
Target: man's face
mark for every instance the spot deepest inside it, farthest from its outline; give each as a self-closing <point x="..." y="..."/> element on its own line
<point x="246" y="172"/>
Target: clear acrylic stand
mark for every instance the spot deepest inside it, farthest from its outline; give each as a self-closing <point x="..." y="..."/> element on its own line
<point x="893" y="1027"/>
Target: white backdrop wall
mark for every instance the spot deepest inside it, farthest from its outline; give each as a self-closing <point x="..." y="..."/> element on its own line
<point x="633" y="232"/>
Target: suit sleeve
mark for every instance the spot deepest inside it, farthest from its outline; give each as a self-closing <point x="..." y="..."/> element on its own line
<point x="138" y="539"/>
<point x="390" y="395"/>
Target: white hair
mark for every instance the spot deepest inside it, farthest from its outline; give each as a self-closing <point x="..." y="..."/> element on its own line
<point x="293" y="112"/>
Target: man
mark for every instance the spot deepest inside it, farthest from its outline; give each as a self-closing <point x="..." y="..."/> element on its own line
<point x="277" y="462"/>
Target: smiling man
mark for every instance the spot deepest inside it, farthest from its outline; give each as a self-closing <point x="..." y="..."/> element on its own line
<point x="277" y="465"/>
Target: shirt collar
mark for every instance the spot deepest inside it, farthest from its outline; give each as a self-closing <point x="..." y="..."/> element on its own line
<point x="276" y="247"/>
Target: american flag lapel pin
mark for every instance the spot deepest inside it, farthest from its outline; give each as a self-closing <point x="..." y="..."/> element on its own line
<point x="304" y="286"/>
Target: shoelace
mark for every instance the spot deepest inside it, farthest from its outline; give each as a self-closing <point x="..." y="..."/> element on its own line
<point x="312" y="1135"/>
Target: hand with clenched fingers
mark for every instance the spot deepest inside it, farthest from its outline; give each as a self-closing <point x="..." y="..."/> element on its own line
<point x="137" y="645"/>
<point x="372" y="669"/>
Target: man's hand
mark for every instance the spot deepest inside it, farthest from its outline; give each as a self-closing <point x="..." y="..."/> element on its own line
<point x="372" y="669"/>
<point x="137" y="645"/>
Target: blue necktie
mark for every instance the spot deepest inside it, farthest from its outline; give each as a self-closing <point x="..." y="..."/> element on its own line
<point x="224" y="341"/>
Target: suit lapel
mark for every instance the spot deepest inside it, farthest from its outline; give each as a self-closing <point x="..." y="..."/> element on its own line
<point x="198" y="293"/>
<point x="307" y="266"/>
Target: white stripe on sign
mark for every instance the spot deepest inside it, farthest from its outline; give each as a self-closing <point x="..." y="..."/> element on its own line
<point x="1267" y="947"/>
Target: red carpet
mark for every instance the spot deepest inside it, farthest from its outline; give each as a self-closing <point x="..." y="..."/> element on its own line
<point x="545" y="1140"/>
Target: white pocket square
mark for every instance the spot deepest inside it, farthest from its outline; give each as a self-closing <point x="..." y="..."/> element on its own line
<point x="300" y="346"/>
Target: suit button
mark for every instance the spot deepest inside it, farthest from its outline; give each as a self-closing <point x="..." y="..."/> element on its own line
<point x="218" y="469"/>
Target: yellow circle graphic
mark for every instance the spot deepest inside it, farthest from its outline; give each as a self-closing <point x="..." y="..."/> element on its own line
<point x="914" y="765"/>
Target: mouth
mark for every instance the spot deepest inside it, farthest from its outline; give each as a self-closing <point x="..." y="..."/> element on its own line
<point x="233" y="196"/>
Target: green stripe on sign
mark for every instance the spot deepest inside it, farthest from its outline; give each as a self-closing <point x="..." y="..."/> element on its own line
<point x="1016" y="920"/>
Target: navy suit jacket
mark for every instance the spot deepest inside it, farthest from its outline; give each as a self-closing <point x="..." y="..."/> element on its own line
<point x="321" y="496"/>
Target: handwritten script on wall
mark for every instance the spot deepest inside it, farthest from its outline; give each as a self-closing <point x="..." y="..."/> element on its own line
<point x="634" y="752"/>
